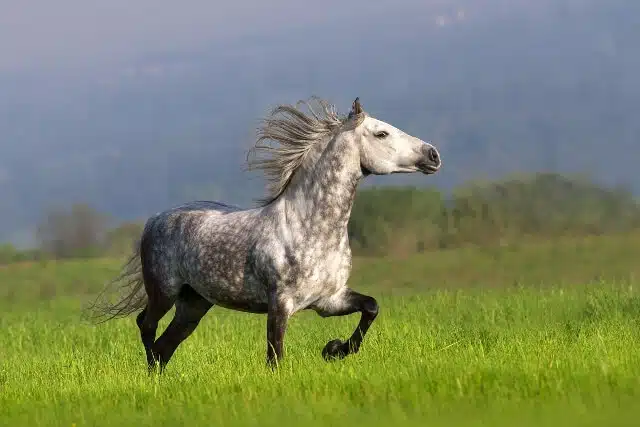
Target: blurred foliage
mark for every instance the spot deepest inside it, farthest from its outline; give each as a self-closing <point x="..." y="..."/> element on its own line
<point x="529" y="207"/>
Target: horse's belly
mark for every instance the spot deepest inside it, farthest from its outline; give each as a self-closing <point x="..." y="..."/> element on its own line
<point x="249" y="306"/>
<point x="245" y="295"/>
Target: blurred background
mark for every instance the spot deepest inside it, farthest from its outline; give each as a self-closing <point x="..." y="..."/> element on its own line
<point x="507" y="281"/>
<point x="111" y="112"/>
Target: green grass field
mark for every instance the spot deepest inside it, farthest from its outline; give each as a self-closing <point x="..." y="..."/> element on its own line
<point x="538" y="335"/>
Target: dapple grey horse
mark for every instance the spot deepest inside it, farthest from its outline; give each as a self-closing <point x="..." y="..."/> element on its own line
<point x="291" y="253"/>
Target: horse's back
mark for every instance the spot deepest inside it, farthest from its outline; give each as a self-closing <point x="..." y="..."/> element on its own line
<point x="192" y="210"/>
<point x="177" y="226"/>
<point x="206" y="206"/>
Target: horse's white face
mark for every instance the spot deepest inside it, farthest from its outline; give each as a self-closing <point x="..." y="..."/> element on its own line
<point x="385" y="149"/>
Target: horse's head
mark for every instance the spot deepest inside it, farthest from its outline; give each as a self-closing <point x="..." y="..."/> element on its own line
<point x="385" y="149"/>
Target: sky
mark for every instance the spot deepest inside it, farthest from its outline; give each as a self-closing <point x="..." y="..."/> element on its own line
<point x="72" y="33"/>
<point x="81" y="80"/>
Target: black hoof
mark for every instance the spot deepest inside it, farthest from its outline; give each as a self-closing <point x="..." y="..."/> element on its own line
<point x="334" y="349"/>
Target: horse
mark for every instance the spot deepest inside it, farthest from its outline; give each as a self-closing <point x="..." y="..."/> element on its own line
<point x="289" y="253"/>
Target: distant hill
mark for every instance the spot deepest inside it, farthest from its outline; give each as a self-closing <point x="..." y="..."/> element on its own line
<point x="535" y="86"/>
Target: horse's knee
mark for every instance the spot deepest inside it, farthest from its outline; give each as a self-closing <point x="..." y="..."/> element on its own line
<point x="370" y="306"/>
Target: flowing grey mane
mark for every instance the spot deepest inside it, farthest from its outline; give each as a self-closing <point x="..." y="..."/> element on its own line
<point x="295" y="132"/>
<point x="290" y="254"/>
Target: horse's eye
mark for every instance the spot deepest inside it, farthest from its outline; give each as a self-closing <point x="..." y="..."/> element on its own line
<point x="381" y="134"/>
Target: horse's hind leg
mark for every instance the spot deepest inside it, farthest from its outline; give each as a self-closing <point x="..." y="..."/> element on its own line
<point x="342" y="304"/>
<point x="190" y="309"/>
<point x="147" y="322"/>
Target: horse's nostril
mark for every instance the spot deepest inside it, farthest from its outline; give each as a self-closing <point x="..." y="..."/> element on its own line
<point x="433" y="155"/>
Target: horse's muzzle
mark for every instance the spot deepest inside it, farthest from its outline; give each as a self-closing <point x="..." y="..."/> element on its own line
<point x="430" y="162"/>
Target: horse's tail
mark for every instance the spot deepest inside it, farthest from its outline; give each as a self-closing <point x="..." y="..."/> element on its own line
<point x="129" y="282"/>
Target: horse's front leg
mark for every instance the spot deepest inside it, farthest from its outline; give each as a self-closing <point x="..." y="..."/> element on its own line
<point x="277" y="317"/>
<point x="342" y="304"/>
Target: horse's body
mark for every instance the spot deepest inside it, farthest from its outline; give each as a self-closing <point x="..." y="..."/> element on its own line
<point x="292" y="253"/>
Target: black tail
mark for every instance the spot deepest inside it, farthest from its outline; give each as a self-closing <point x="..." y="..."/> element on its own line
<point x="131" y="283"/>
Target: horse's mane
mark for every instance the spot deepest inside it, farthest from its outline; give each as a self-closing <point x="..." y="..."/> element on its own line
<point x="295" y="133"/>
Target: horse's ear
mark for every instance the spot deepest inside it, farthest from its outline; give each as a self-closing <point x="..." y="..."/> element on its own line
<point x="356" y="111"/>
<point x="356" y="108"/>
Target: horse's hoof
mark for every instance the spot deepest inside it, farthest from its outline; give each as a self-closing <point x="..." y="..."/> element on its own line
<point x="334" y="350"/>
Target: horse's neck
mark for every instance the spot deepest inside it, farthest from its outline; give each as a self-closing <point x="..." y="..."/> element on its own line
<point x="321" y="194"/>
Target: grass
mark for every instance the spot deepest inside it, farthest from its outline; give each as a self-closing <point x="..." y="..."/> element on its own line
<point x="505" y="345"/>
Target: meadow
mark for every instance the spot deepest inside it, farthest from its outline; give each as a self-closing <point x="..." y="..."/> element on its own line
<point x="537" y="334"/>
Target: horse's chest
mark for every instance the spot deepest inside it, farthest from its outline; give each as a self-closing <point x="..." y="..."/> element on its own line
<point x="306" y="271"/>
<point x="323" y="275"/>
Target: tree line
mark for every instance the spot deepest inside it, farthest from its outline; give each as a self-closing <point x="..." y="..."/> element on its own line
<point x="400" y="220"/>
<point x="512" y="210"/>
